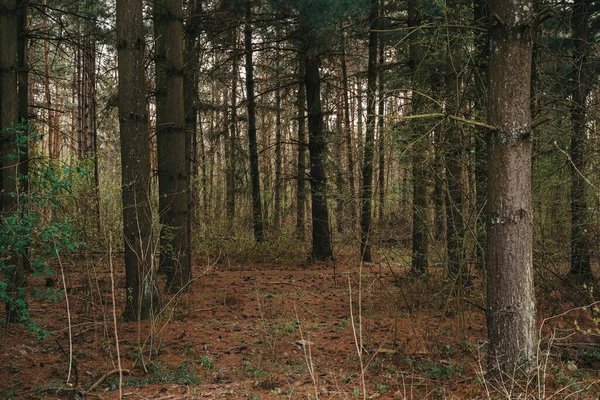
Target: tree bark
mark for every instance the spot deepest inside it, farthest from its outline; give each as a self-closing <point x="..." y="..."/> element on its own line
<point x="367" y="168"/>
<point x="580" y="252"/>
<point x="381" y="123"/>
<point x="278" y="159"/>
<point x="321" y="238"/>
<point x="349" y="147"/>
<point x="420" y="238"/>
<point x="190" y="92"/>
<point x="230" y="153"/>
<point x="481" y="15"/>
<point x="23" y="110"/>
<point x="141" y="292"/>
<point x="455" y="247"/>
<point x="16" y="308"/>
<point x="301" y="172"/>
<point x="173" y="176"/>
<point x="257" y="220"/>
<point x="510" y="292"/>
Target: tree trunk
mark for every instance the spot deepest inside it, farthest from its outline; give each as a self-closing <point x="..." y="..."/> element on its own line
<point x="340" y="182"/>
<point x="349" y="147"/>
<point x="16" y="307"/>
<point x="278" y="159"/>
<point x="580" y="253"/>
<point x="87" y="134"/>
<point x="420" y="238"/>
<point x="173" y="177"/>
<point x="481" y="15"/>
<point x="190" y="86"/>
<point x="301" y="172"/>
<point x="230" y="153"/>
<point x="317" y="147"/>
<point x="23" y="110"/>
<point x="510" y="292"/>
<point x="381" y="124"/>
<point x="367" y="167"/>
<point x="257" y="220"/>
<point x="141" y="293"/>
<point x="47" y="93"/>
<point x="455" y="247"/>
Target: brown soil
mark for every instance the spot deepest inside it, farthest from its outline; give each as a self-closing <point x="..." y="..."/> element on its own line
<point x="272" y="331"/>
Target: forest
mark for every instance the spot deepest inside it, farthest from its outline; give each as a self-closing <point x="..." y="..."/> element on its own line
<point x="299" y="199"/>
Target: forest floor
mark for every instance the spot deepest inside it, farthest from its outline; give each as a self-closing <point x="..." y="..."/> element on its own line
<point x="268" y="331"/>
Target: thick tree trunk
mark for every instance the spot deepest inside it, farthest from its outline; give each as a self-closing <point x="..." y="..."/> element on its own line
<point x="173" y="177"/>
<point x="367" y="167"/>
<point x="257" y="220"/>
<point x="321" y="238"/>
<point x="510" y="292"/>
<point x="420" y="238"/>
<point x="301" y="171"/>
<point x="141" y="292"/>
<point x="580" y="253"/>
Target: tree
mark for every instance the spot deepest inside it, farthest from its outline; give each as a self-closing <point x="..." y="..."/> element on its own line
<point x="9" y="132"/>
<point x="301" y="173"/>
<point x="511" y="304"/>
<point x="580" y="80"/>
<point x="454" y="150"/>
<point x="367" y="167"/>
<point x="381" y="117"/>
<point x="348" y="131"/>
<point x="141" y="293"/>
<point x="190" y="93"/>
<point x="257" y="221"/>
<point x="420" y="238"/>
<point x="173" y="173"/>
<point x="317" y="147"/>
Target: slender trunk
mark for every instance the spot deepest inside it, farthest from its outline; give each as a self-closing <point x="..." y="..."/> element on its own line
<point x="420" y="238"/>
<point x="278" y="160"/>
<point x="340" y="182"/>
<point x="190" y="89"/>
<point x="23" y="111"/>
<point x="301" y="172"/>
<point x="454" y="152"/>
<point x="367" y="167"/>
<point x="47" y="93"/>
<point x="321" y="238"/>
<point x="203" y="169"/>
<point x="230" y="153"/>
<point x="348" y="132"/>
<point x="580" y="252"/>
<point x="141" y="292"/>
<point x="257" y="220"/>
<point x="359" y="125"/>
<point x="481" y="15"/>
<point x="381" y="124"/>
<point x="510" y="290"/>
